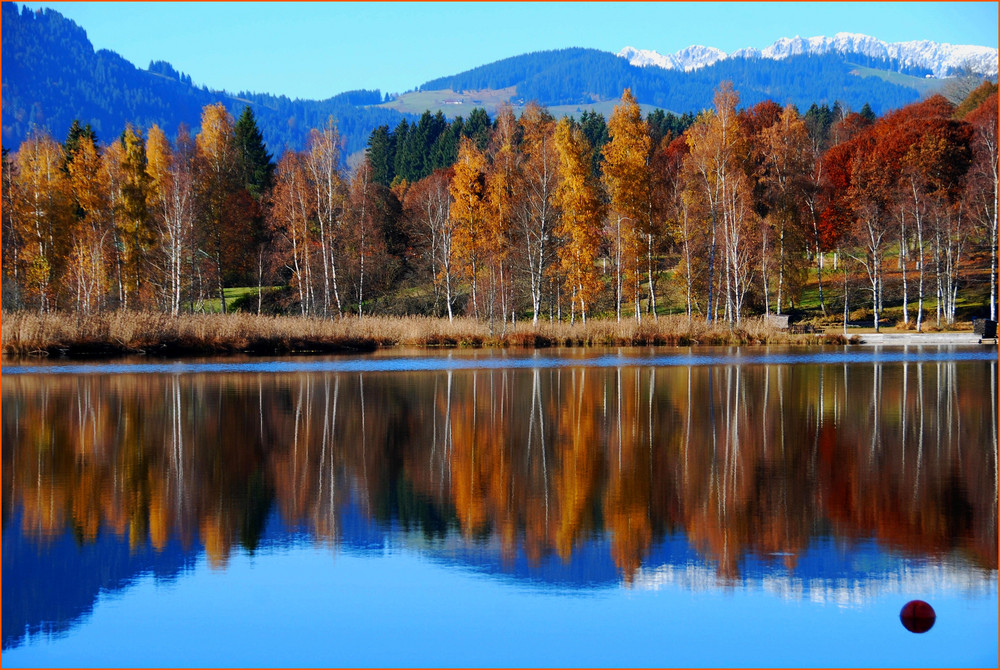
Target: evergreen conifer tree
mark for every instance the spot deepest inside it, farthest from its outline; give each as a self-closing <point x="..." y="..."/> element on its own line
<point x="478" y="128"/>
<point x="256" y="168"/>
<point x="381" y="155"/>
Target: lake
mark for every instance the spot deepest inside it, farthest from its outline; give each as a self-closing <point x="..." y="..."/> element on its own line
<point x="619" y="507"/>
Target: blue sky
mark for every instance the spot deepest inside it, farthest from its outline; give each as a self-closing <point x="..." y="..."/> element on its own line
<point x="315" y="50"/>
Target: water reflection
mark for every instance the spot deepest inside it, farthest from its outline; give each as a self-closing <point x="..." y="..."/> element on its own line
<point x="744" y="471"/>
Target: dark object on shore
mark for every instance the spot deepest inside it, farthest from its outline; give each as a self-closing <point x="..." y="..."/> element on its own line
<point x="984" y="328"/>
<point x="917" y="616"/>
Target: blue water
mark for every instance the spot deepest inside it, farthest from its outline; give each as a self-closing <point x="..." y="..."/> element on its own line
<point x="384" y="597"/>
<point x="540" y="359"/>
<point x="725" y="508"/>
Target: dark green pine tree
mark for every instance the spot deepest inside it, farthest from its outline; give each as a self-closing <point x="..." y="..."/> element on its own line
<point x="818" y="121"/>
<point x="382" y="155"/>
<point x="445" y="150"/>
<point x="73" y="139"/>
<point x="256" y="168"/>
<point x="402" y="137"/>
<point x="478" y="127"/>
<point x="595" y="129"/>
<point x="867" y="114"/>
<point x="436" y="126"/>
<point x="414" y="159"/>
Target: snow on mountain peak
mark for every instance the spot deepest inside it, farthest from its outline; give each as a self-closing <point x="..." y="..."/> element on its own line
<point x="941" y="59"/>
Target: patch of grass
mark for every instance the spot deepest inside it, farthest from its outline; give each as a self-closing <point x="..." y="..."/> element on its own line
<point x="926" y="86"/>
<point x="248" y="294"/>
<point x="452" y="104"/>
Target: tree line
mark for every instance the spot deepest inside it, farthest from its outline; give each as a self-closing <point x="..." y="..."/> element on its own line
<point x="723" y="215"/>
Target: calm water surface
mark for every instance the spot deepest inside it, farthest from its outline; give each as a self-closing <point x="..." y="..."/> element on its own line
<point x="634" y="507"/>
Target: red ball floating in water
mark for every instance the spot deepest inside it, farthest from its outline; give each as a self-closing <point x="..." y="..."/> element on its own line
<point x="917" y="616"/>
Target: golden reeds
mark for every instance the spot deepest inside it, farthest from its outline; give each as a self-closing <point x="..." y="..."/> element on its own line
<point x="26" y="333"/>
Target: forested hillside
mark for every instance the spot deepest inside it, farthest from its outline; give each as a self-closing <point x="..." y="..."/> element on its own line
<point x="573" y="76"/>
<point x="52" y="75"/>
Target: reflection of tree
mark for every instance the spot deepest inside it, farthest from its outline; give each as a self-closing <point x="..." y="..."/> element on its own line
<point x="745" y="460"/>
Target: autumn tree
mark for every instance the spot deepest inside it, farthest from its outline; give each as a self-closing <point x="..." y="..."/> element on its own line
<point x="468" y="191"/>
<point x="786" y="165"/>
<point x="322" y="163"/>
<point x="580" y="215"/>
<point x="984" y="186"/>
<point x="222" y="232"/>
<point x="427" y="206"/>
<point x="505" y="202"/>
<point x="538" y="216"/>
<point x="12" y="213"/>
<point x="717" y="182"/>
<point x="290" y="223"/>
<point x="682" y="211"/>
<point x="87" y="271"/>
<point x="43" y="221"/>
<point x="627" y="181"/>
<point x="655" y="221"/>
<point x="172" y="199"/>
<point x="366" y="221"/>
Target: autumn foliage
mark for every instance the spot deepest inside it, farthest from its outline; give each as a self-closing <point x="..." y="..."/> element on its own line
<point x="535" y="217"/>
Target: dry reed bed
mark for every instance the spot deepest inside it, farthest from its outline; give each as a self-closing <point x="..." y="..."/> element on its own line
<point x="25" y="334"/>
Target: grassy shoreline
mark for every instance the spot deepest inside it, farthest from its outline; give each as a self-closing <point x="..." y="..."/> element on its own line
<point x="119" y="333"/>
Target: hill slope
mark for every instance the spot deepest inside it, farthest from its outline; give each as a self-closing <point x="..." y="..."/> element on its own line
<point x="582" y="76"/>
<point x="52" y="75"/>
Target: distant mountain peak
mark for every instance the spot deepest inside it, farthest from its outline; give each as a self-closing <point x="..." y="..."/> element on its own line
<point x="939" y="58"/>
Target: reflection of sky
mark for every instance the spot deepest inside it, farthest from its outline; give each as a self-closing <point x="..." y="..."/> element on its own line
<point x="488" y="360"/>
<point x="388" y="598"/>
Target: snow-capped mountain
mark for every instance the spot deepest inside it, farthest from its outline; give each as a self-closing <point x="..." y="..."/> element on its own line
<point x="688" y="59"/>
<point x="941" y="59"/>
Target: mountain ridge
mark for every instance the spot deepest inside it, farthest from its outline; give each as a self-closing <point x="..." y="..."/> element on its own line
<point x="52" y="75"/>
<point x="940" y="59"/>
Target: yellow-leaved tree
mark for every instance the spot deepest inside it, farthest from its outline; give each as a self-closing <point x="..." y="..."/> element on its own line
<point x="87" y="272"/>
<point x="135" y="236"/>
<point x="468" y="189"/>
<point x="626" y="178"/>
<point x="44" y="222"/>
<point x="172" y="206"/>
<point x="539" y="214"/>
<point x="581" y="212"/>
<point x="716" y="182"/>
<point x="504" y="200"/>
<point x="217" y="184"/>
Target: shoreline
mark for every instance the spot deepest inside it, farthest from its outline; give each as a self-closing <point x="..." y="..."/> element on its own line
<point x="924" y="339"/>
<point x="30" y="336"/>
